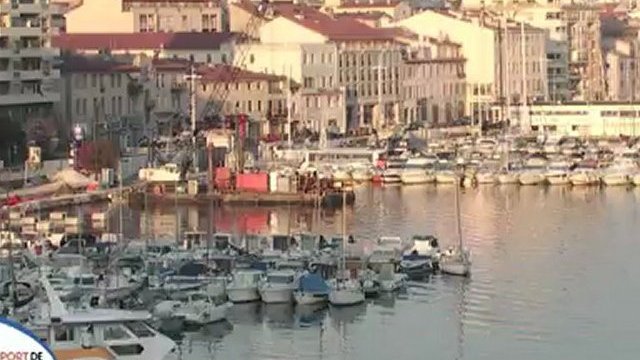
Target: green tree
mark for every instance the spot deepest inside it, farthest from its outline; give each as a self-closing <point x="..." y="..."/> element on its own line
<point x="12" y="141"/>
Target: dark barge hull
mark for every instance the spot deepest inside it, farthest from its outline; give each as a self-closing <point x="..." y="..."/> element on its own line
<point x="328" y="200"/>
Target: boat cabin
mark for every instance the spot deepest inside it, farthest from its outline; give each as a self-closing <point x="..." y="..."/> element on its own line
<point x="105" y="334"/>
<point x="194" y="239"/>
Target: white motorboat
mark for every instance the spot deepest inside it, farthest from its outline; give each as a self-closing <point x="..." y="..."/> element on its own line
<point x="507" y="177"/>
<point x="446" y="176"/>
<point x="486" y="177"/>
<point x="417" y="170"/>
<point x="277" y="286"/>
<point x="196" y="308"/>
<point x="370" y="284"/>
<point x="243" y="286"/>
<point x="418" y="261"/>
<point x="346" y="293"/>
<point x="558" y="173"/>
<point x="392" y="171"/>
<point x="635" y="179"/>
<point x="362" y="173"/>
<point x="584" y="175"/>
<point x="389" y="280"/>
<point x="619" y="173"/>
<point x="74" y="282"/>
<point x="312" y="289"/>
<point x="99" y="333"/>
<point x="341" y="174"/>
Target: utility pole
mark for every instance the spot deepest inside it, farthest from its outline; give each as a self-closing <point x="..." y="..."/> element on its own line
<point x="525" y="111"/>
<point x="192" y="77"/>
<point x="289" y="120"/>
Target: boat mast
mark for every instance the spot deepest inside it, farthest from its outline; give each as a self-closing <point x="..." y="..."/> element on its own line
<point x="457" y="210"/>
<point x="343" y="261"/>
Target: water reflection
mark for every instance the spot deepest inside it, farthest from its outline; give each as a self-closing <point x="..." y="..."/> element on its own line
<point x="553" y="277"/>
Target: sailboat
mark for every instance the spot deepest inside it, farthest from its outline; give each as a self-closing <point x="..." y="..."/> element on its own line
<point x="456" y="261"/>
<point x="345" y="292"/>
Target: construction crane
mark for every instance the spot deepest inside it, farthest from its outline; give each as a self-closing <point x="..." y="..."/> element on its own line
<point x="220" y="92"/>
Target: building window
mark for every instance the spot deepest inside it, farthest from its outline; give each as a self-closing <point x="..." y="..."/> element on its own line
<point x="84" y="106"/>
<point x="185" y="23"/>
<point x="113" y="105"/>
<point x="146" y="23"/>
<point x="308" y="82"/>
<point x="113" y="80"/>
<point x="119" y="105"/>
<point x="94" y="80"/>
<point x="78" y="101"/>
<point x="208" y="58"/>
<point x="249" y="106"/>
<point x="259" y="105"/>
<point x="209" y="23"/>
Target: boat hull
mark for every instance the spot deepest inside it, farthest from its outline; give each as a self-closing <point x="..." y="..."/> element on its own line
<point x="346" y="297"/>
<point x="240" y="295"/>
<point x="531" y="179"/>
<point x="455" y="268"/>
<point x="506" y="179"/>
<point x="276" y="295"/>
<point x="305" y="298"/>
<point x="615" y="180"/>
<point x="558" y="179"/>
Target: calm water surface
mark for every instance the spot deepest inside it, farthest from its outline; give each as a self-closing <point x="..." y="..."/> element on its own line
<point x="555" y="276"/>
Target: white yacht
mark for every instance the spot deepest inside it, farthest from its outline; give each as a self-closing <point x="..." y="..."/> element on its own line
<point x="620" y="172"/>
<point x="391" y="173"/>
<point x="558" y="173"/>
<point x="341" y="174"/>
<point x="243" y="286"/>
<point x="533" y="172"/>
<point x="584" y="174"/>
<point x="389" y="280"/>
<point x="196" y="308"/>
<point x="345" y="292"/>
<point x="506" y="177"/>
<point x="362" y="173"/>
<point x="417" y="170"/>
<point x="277" y="286"/>
<point x="445" y="175"/>
<point x="99" y="333"/>
<point x="485" y="176"/>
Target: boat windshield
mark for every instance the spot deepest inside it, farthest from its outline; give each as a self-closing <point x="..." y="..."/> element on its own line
<point x="140" y="329"/>
<point x="395" y="165"/>
<point x="280" y="279"/>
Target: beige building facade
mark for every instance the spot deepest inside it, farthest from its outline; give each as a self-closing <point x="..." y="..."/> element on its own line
<point x="127" y="16"/>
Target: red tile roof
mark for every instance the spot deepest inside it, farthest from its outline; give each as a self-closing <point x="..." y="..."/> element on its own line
<point x="334" y="28"/>
<point x="369" y="3"/>
<point x="95" y="64"/>
<point x="171" y="2"/>
<point x="137" y="41"/>
<point x="228" y="73"/>
<point x="171" y="65"/>
<point x="372" y="15"/>
<point x="247" y="6"/>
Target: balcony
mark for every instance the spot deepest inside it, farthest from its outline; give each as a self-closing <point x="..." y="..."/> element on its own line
<point x="30" y="98"/>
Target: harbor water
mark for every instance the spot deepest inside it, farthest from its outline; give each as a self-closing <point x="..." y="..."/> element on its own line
<point x="554" y="277"/>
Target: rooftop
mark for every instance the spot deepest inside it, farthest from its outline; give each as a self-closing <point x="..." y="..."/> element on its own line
<point x="369" y="3"/>
<point x="95" y="64"/>
<point x="228" y="73"/>
<point x="334" y="28"/>
<point x="136" y="41"/>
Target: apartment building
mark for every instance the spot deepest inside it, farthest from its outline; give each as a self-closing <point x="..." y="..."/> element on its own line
<point x="364" y="60"/>
<point x="434" y="82"/>
<point x="495" y="68"/>
<point x="127" y="16"/>
<point x="101" y="95"/>
<point x="622" y="64"/>
<point x="552" y="19"/>
<point x="28" y="78"/>
<point x="586" y="61"/>
<point x="396" y="9"/>
<point x="199" y="47"/>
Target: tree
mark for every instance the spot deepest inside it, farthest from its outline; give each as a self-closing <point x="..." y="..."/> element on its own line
<point x="97" y="155"/>
<point x="12" y="140"/>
